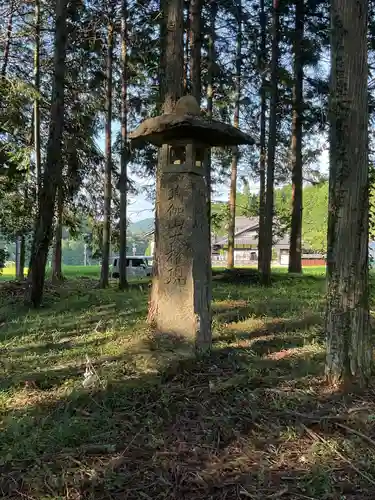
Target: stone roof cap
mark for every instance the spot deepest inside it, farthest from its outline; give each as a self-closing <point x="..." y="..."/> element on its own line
<point x="185" y="124"/>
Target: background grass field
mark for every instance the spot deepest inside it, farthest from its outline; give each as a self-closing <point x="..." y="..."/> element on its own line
<point x="9" y="273"/>
<point x="253" y="419"/>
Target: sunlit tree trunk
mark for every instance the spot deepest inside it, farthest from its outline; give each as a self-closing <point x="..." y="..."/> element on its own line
<point x="263" y="112"/>
<point x="271" y="149"/>
<point x="36" y="116"/>
<point x="104" y="275"/>
<point x="210" y="82"/>
<point x="295" y="247"/>
<point x="53" y="166"/>
<point x="349" y="347"/>
<point x="235" y="155"/>
<point x="124" y="147"/>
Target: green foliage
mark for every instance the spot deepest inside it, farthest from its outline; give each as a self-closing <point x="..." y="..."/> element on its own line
<point x="15" y="101"/>
<point x="3" y="258"/>
<point x="219" y="218"/>
<point x="314" y="218"/>
<point x="314" y="215"/>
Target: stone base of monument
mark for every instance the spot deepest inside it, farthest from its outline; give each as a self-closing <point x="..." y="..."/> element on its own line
<point x="183" y="308"/>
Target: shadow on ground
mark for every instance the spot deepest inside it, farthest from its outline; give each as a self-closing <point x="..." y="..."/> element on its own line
<point x="251" y="420"/>
<point x="229" y="426"/>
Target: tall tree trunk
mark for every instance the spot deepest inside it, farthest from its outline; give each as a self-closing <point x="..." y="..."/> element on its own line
<point x="20" y="257"/>
<point x="187" y="49"/>
<point x="38" y="163"/>
<point x="36" y="117"/>
<point x="163" y="39"/>
<point x="8" y="39"/>
<point x="174" y="55"/>
<point x="163" y="26"/>
<point x="17" y="255"/>
<point x="162" y="55"/>
<point x="235" y="156"/>
<point x="271" y="149"/>
<point x="195" y="48"/>
<point x="263" y="115"/>
<point x="57" y="275"/>
<point x="52" y="171"/>
<point x="171" y="77"/>
<point x="21" y="270"/>
<point x="104" y="276"/>
<point x="210" y="82"/>
<point x="349" y="350"/>
<point x="124" y="146"/>
<point x="295" y="246"/>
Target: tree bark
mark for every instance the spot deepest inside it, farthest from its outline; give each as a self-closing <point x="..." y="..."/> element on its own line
<point x="349" y="349"/>
<point x="36" y="118"/>
<point x="210" y="82"/>
<point x="17" y="255"/>
<point x="153" y="301"/>
<point x="163" y="53"/>
<point x="104" y="275"/>
<point x="195" y="48"/>
<point x="187" y="50"/>
<point x="57" y="275"/>
<point x="8" y="39"/>
<point x="263" y="114"/>
<point x="123" y="284"/>
<point x="295" y="245"/>
<point x="38" y="163"/>
<point x="171" y="79"/>
<point x="235" y="156"/>
<point x="21" y="273"/>
<point x="20" y="257"/>
<point x="52" y="171"/>
<point x="271" y="149"/>
<point x="174" y="55"/>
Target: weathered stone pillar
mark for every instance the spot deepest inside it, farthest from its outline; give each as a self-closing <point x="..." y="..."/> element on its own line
<point x="181" y="296"/>
<point x="184" y="272"/>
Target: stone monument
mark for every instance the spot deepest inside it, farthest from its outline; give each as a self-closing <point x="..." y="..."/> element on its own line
<point x="182" y="264"/>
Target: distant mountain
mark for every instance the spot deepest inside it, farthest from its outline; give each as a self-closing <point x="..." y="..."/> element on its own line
<point x="141" y="226"/>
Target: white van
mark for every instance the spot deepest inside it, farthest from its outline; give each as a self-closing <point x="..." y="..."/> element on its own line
<point x="137" y="266"/>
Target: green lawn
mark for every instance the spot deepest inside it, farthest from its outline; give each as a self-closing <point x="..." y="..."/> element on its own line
<point x="9" y="273"/>
<point x="253" y="420"/>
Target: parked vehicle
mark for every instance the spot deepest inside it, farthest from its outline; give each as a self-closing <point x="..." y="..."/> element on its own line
<point x="137" y="266"/>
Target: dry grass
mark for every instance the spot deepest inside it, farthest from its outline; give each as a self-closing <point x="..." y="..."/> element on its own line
<point x="254" y="420"/>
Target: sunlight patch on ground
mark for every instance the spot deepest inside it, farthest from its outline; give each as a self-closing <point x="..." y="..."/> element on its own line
<point x="253" y="419"/>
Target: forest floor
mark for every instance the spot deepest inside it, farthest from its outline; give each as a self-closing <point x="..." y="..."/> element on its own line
<point x="254" y="420"/>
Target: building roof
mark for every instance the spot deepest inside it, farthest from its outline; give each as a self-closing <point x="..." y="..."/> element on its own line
<point x="244" y="226"/>
<point x="243" y="223"/>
